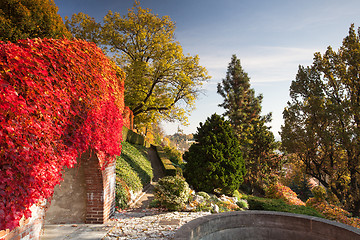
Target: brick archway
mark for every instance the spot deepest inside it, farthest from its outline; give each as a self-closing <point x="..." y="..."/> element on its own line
<point x="87" y="194"/>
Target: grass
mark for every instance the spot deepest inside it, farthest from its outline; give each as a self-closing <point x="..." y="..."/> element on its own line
<point x="133" y="172"/>
<point x="279" y="205"/>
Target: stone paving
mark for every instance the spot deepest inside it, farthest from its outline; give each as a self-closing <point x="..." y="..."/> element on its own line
<point x="149" y="224"/>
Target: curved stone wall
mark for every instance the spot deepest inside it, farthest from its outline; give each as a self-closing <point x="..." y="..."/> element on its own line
<point x="264" y="225"/>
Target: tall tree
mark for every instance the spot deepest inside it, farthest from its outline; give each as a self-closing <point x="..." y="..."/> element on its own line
<point x="215" y="160"/>
<point x="162" y="82"/>
<point x="21" y="19"/>
<point x="322" y="121"/>
<point x="243" y="109"/>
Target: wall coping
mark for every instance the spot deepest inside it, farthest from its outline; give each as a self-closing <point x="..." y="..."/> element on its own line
<point x="265" y="224"/>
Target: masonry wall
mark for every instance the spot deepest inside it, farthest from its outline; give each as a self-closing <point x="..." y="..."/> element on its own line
<point x="30" y="228"/>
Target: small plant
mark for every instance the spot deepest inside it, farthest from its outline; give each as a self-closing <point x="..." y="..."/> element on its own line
<point x="204" y="207"/>
<point x="242" y="203"/>
<point x="172" y="192"/>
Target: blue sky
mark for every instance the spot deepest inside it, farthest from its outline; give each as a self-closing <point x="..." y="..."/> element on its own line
<point x="271" y="38"/>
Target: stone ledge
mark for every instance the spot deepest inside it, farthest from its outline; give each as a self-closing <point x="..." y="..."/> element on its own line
<point x="263" y="225"/>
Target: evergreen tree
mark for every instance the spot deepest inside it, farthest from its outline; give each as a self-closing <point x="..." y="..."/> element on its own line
<point x="241" y="106"/>
<point x="243" y="109"/>
<point x="215" y="160"/>
<point x="21" y="19"/>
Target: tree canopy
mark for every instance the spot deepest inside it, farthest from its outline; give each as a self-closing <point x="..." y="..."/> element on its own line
<point x="215" y="160"/>
<point x="243" y="109"/>
<point x="21" y="19"/>
<point x="162" y="82"/>
<point x="322" y="120"/>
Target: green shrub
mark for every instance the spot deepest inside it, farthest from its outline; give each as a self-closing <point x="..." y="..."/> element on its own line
<point x="256" y="203"/>
<point x="132" y="137"/>
<point x="172" y="192"/>
<point x="302" y="189"/>
<point x="215" y="160"/>
<point x="204" y="207"/>
<point x="154" y="203"/>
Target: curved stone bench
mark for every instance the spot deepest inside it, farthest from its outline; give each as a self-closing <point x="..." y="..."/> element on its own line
<point x="264" y="225"/>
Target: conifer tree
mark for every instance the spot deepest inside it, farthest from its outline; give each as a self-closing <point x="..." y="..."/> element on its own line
<point x="215" y="160"/>
<point x="243" y="109"/>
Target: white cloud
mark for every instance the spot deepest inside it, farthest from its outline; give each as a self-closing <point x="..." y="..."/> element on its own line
<point x="263" y="63"/>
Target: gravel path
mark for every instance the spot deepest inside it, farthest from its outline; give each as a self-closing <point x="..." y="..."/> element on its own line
<point x="149" y="224"/>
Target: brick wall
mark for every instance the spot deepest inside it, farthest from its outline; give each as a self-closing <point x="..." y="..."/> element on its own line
<point x="100" y="190"/>
<point x="30" y="228"/>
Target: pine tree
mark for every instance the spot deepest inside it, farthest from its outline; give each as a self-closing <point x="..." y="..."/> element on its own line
<point x="215" y="160"/>
<point x="243" y="109"/>
<point x="241" y="106"/>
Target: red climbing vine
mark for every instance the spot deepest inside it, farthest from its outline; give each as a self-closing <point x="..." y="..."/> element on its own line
<point x="57" y="99"/>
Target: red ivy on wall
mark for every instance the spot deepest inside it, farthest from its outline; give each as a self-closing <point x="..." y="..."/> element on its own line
<point x="57" y="99"/>
<point x="128" y="117"/>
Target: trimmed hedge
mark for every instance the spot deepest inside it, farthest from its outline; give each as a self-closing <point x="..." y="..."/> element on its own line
<point x="167" y="165"/>
<point x="133" y="137"/>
